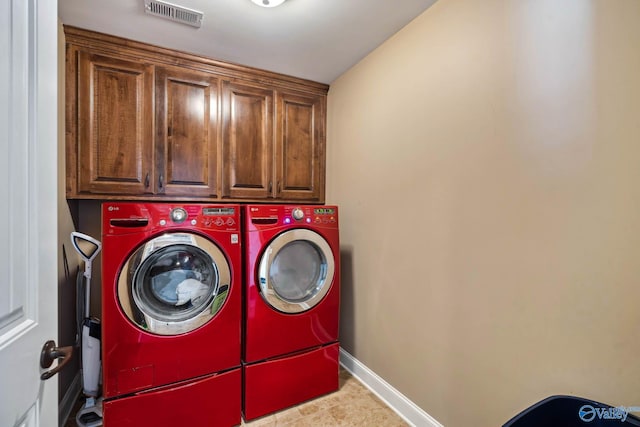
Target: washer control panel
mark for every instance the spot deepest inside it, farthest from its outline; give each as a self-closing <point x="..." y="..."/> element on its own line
<point x="221" y="218"/>
<point x="128" y="217"/>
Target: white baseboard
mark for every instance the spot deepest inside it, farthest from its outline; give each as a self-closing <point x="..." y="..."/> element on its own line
<point x="69" y="400"/>
<point x="404" y="407"/>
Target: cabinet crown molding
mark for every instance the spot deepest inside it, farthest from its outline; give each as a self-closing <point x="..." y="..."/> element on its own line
<point x="160" y="55"/>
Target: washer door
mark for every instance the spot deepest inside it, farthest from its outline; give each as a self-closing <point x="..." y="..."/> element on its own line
<point x="296" y="271"/>
<point x="174" y="283"/>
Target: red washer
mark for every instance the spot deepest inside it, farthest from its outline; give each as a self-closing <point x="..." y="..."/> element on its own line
<point x="292" y="304"/>
<point x="171" y="311"/>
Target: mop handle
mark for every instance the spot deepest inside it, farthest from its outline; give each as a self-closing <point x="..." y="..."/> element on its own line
<point x="88" y="258"/>
<point x="76" y="237"/>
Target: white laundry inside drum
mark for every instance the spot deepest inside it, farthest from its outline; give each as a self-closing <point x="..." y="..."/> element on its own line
<point x="176" y="288"/>
<point x="191" y="290"/>
<point x="165" y="285"/>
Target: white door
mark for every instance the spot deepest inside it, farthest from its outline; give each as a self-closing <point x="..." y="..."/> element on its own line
<point x="28" y="218"/>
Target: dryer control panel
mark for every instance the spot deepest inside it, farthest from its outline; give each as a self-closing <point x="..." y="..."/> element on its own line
<point x="311" y="215"/>
<point x="263" y="216"/>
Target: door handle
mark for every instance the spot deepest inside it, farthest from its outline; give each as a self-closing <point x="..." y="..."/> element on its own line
<point x="50" y="353"/>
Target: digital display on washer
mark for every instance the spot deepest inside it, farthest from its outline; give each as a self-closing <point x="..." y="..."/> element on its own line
<point x="218" y="211"/>
<point x="324" y="211"/>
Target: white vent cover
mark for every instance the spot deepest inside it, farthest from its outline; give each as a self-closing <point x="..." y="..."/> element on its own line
<point x="173" y="12"/>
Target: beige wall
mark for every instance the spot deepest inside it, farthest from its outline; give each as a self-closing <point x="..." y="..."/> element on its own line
<point x="486" y="162"/>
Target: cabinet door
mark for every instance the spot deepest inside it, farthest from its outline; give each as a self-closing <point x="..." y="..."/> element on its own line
<point x="300" y="140"/>
<point x="247" y="142"/>
<point x="187" y="133"/>
<point x="115" y="134"/>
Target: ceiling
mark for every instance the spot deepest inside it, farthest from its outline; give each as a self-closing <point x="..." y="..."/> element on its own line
<point x="311" y="39"/>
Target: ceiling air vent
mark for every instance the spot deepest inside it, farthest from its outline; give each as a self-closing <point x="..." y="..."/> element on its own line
<point x="173" y="12"/>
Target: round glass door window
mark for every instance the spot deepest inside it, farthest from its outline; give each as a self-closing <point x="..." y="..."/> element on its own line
<point x="296" y="271"/>
<point x="174" y="284"/>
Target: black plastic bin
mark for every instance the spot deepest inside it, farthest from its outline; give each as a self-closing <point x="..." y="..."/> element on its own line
<point x="571" y="411"/>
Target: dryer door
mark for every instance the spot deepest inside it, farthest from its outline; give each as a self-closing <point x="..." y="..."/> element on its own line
<point x="296" y="271"/>
<point x="174" y="283"/>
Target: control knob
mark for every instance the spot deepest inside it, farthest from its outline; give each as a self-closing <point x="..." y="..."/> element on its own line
<point x="297" y="214"/>
<point x="178" y="215"/>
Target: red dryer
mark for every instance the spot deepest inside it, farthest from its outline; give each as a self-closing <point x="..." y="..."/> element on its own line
<point x="292" y="298"/>
<point x="171" y="314"/>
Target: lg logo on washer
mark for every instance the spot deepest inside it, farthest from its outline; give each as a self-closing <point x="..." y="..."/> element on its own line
<point x="113" y="208"/>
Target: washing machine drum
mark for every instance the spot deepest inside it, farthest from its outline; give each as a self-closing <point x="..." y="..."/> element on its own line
<point x="174" y="283"/>
<point x="296" y="271"/>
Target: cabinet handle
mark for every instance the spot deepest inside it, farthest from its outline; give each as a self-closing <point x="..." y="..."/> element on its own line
<point x="146" y="181"/>
<point x="278" y="187"/>
<point x="161" y="181"/>
<point x="270" y="186"/>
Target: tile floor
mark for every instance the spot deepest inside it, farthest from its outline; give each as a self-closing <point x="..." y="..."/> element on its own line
<point x="353" y="405"/>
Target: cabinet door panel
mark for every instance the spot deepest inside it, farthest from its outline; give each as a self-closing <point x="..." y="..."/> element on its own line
<point x="300" y="147"/>
<point x="247" y="142"/>
<point x="187" y="114"/>
<point x="114" y="125"/>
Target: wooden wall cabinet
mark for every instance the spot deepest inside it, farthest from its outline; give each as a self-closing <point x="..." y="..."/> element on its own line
<point x="147" y="123"/>
<point x="300" y="166"/>
<point x="115" y="125"/>
<point x="257" y="166"/>
<point x="187" y="133"/>
<point x="247" y="142"/>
